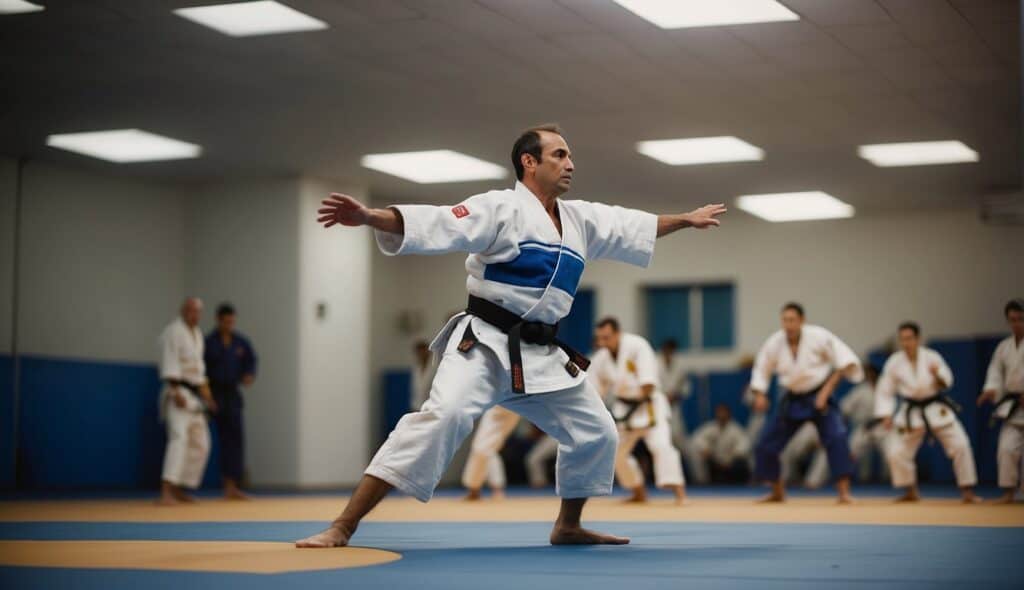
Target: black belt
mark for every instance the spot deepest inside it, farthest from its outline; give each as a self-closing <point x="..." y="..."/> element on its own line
<point x="191" y="388"/>
<point x="921" y="404"/>
<point x="870" y="424"/>
<point x="518" y="330"/>
<point x="1010" y="397"/>
<point x="790" y="395"/>
<point x="632" y="406"/>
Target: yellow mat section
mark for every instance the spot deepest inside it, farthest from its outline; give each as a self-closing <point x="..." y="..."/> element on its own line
<point x="878" y="511"/>
<point x="197" y="556"/>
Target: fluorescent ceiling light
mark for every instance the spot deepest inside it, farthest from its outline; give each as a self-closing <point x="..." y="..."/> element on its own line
<point x="124" y="145"/>
<point x="917" y="153"/>
<point x="18" y="6"/>
<point x="700" y="150"/>
<point x="434" y="166"/>
<point x="241" y="19"/>
<point x="795" y="206"/>
<point x="679" y="14"/>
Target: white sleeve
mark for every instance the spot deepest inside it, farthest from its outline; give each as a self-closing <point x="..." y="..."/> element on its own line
<point x="764" y="366"/>
<point x="742" y="447"/>
<point x="618" y="233"/>
<point x="170" y="365"/>
<point x="471" y="226"/>
<point x="885" y="392"/>
<point x="701" y="436"/>
<point x="647" y="366"/>
<point x="597" y="373"/>
<point x="945" y="373"/>
<point x="994" y="375"/>
<point x="843" y="357"/>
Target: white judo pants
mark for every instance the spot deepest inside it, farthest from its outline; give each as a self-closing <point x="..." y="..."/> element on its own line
<point x="188" y="442"/>
<point x="419" y="449"/>
<point x="903" y="448"/>
<point x="537" y="461"/>
<point x="484" y="462"/>
<point x="668" y="466"/>
<point x="1010" y="454"/>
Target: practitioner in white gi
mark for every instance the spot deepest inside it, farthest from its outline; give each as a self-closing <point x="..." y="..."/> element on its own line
<point x="184" y="401"/>
<point x="919" y="375"/>
<point x="422" y="374"/>
<point x="810" y="361"/>
<point x="625" y="369"/>
<point x="868" y="431"/>
<point x="1005" y="382"/>
<point x="676" y="386"/>
<point x="724" y="448"/>
<point x="527" y="252"/>
<point x="542" y="451"/>
<point x="484" y="461"/>
<point x="805" y="443"/>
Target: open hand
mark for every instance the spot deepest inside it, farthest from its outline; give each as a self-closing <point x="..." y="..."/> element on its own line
<point x="705" y="216"/>
<point x="760" y="403"/>
<point x="988" y="395"/>
<point x="344" y="210"/>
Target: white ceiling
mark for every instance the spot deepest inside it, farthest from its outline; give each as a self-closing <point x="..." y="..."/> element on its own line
<point x="398" y="75"/>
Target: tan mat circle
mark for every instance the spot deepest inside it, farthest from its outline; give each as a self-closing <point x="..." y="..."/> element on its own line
<point x="878" y="511"/>
<point x="196" y="556"/>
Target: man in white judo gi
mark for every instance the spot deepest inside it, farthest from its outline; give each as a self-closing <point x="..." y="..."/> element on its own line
<point x="527" y="249"/>
<point x="484" y="462"/>
<point x="626" y="370"/>
<point x="919" y="375"/>
<point x="184" y="402"/>
<point x="810" y="361"/>
<point x="1005" y="382"/>
<point x="868" y="431"/>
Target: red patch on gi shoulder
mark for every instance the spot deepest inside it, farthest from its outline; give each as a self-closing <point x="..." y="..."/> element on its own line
<point x="460" y="211"/>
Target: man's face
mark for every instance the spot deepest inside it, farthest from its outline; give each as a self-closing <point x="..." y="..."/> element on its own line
<point x="554" y="171"/>
<point x="908" y="340"/>
<point x="422" y="352"/>
<point x="792" y="322"/>
<point x="723" y="415"/>
<point x="668" y="349"/>
<point x="191" y="311"/>
<point x="1016" y="321"/>
<point x="607" y="337"/>
<point x="226" y="322"/>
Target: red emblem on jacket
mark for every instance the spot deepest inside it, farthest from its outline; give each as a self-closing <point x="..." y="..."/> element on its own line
<point x="460" y="211"/>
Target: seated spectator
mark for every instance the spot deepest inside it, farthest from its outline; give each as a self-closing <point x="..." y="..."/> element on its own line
<point x="724" y="447"/>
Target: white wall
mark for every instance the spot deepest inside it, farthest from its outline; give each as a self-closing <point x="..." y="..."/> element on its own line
<point x="243" y="247"/>
<point x="334" y="357"/>
<point x="102" y="264"/>
<point x="860" y="277"/>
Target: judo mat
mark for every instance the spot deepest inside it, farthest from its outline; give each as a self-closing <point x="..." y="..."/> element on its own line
<point x="719" y="540"/>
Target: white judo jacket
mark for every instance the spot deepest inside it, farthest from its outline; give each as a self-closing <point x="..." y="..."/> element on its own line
<point x="913" y="381"/>
<point x="624" y="375"/>
<point x="819" y="353"/>
<point x="1006" y="374"/>
<point x="518" y="260"/>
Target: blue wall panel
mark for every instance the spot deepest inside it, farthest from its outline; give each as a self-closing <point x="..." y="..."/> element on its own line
<point x="6" y="421"/>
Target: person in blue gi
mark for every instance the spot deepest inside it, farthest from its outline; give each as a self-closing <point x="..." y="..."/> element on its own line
<point x="230" y="364"/>
<point x="810" y="361"/>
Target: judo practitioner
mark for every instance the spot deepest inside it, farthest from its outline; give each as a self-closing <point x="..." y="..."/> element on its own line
<point x="542" y="451"/>
<point x="868" y="433"/>
<point x="184" y="401"/>
<point x="527" y="250"/>
<point x="485" y="462"/>
<point x="919" y="375"/>
<point x="230" y="365"/>
<point x="422" y="375"/>
<point x="724" y="447"/>
<point x="810" y="362"/>
<point x="1004" y="385"/>
<point x="804" y="443"/>
<point x="625" y="369"/>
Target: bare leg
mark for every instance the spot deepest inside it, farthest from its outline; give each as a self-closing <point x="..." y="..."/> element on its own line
<point x="568" y="531"/>
<point x="167" y="497"/>
<point x="1008" y="497"/>
<point x="843" y="489"/>
<point x="778" y="493"/>
<point x="639" y="496"/>
<point x="911" y="495"/>
<point x="680" y="494"/>
<point x="232" y="491"/>
<point x="968" y="496"/>
<point x="472" y="495"/>
<point x="182" y="496"/>
<point x="497" y="493"/>
<point x="367" y="494"/>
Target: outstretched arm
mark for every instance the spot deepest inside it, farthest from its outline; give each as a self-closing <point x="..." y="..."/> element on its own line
<point x="344" y="210"/>
<point x="699" y="218"/>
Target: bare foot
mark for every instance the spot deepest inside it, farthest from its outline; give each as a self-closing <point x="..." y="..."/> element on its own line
<point x="167" y="500"/>
<point x="498" y="494"/>
<point x="844" y="499"/>
<point x="472" y="496"/>
<point x="1006" y="498"/>
<point x="639" y="496"/>
<point x="970" y="498"/>
<point x="772" y="498"/>
<point x="680" y="494"/>
<point x="332" y="537"/>
<point x="582" y="536"/>
<point x="184" y="497"/>
<point x="910" y="496"/>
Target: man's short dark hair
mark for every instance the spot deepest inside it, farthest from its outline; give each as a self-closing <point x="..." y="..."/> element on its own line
<point x="670" y="342"/>
<point x="529" y="143"/>
<point x="609" y="321"/>
<point x="1013" y="305"/>
<point x="912" y="326"/>
<point x="225" y="309"/>
<point x="799" y="309"/>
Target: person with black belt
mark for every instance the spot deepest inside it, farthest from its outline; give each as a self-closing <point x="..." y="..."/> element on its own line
<point x="230" y="365"/>
<point x="916" y="377"/>
<point x="1005" y="381"/>
<point x="527" y="251"/>
<point x="810" y="361"/>
<point x="184" y="403"/>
